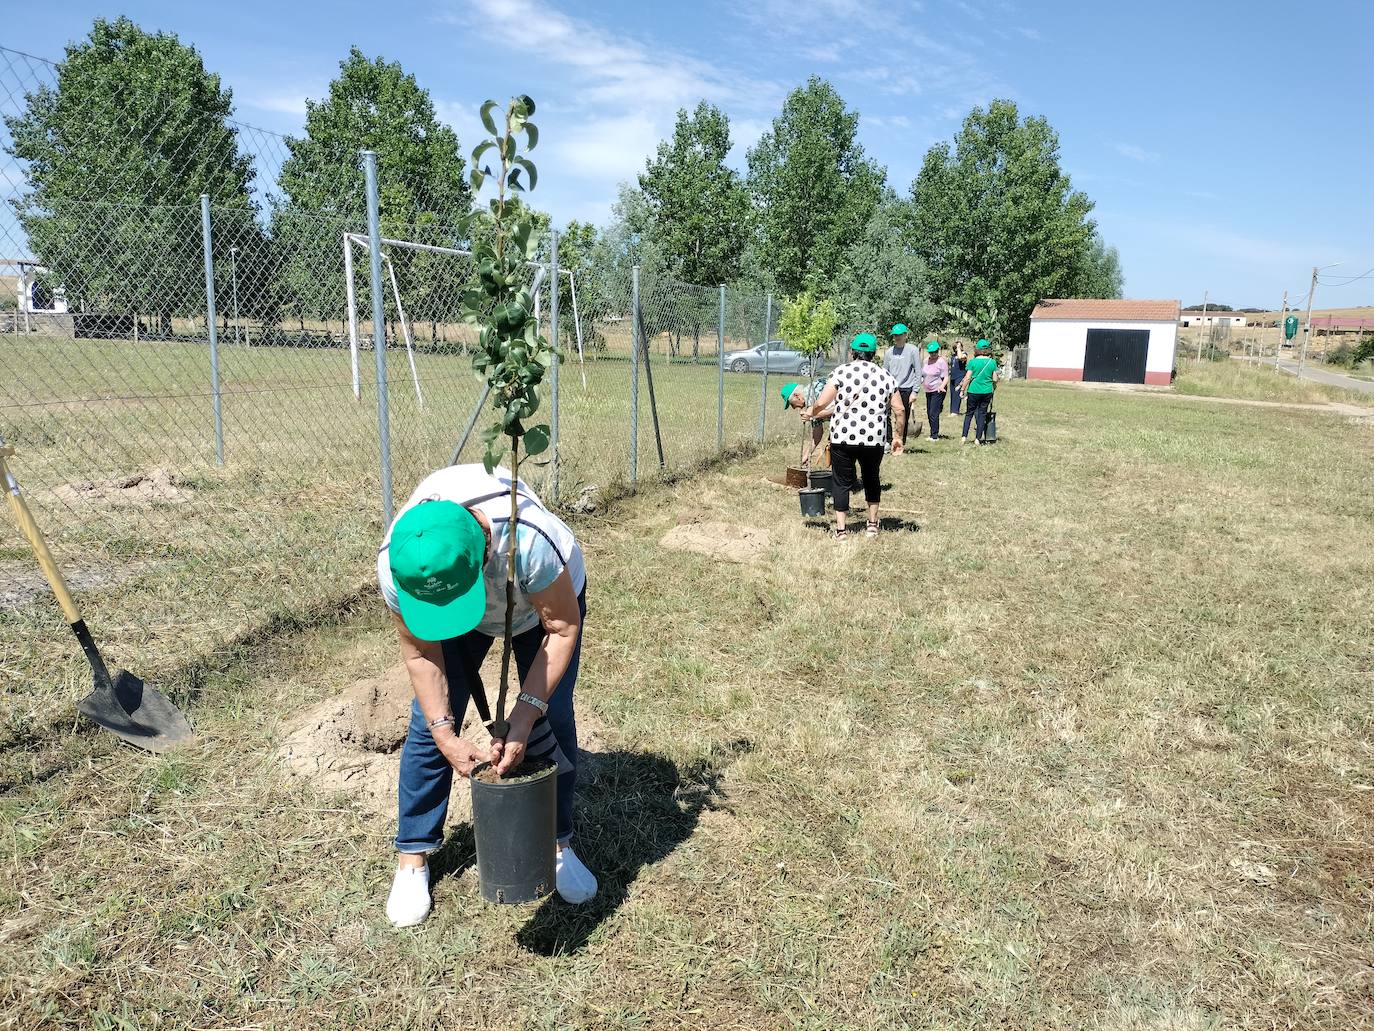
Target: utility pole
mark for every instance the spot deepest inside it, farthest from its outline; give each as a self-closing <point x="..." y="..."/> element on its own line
<point x="1311" y="297"/>
<point x="1283" y="329"/>
<point x="1205" y="295"/>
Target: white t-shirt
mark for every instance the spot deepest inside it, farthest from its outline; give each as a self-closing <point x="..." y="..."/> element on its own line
<point x="863" y="397"/>
<point x="546" y="543"/>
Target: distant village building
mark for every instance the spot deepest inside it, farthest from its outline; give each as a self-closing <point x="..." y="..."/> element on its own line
<point x="1212" y="318"/>
<point x="40" y="306"/>
<point x="1103" y="341"/>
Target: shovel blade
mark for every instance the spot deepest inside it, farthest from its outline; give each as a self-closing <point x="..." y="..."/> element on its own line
<point x="131" y="710"/>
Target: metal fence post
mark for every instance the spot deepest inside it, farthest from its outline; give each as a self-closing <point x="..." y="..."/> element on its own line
<point x="553" y="369"/>
<point x="720" y="375"/>
<point x="374" y="240"/>
<point x="763" y="391"/>
<point x="208" y="244"/>
<point x="350" y="298"/>
<point x="634" y="377"/>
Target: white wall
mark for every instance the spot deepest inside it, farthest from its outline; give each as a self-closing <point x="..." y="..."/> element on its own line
<point x="1061" y="343"/>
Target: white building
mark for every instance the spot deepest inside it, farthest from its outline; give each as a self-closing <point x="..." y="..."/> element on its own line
<point x="1212" y="318"/>
<point x="1103" y="341"/>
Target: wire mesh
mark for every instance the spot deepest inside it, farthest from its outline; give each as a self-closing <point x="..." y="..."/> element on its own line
<point x="110" y="385"/>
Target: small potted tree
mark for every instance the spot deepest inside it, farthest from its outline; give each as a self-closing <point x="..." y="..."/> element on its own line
<point x="513" y="816"/>
<point x="808" y="326"/>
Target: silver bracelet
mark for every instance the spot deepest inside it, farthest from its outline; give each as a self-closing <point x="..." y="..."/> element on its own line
<point x="442" y="721"/>
<point x="538" y="703"/>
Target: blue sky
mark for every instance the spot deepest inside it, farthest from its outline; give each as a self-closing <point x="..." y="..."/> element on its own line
<point x="1228" y="145"/>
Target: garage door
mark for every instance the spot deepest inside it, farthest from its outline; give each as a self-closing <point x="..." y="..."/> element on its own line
<point x="1116" y="355"/>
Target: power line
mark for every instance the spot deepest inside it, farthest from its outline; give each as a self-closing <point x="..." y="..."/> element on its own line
<point x="1347" y="280"/>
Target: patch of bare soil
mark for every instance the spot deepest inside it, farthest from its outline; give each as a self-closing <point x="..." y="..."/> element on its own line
<point x="136" y="488"/>
<point x="746" y="544"/>
<point x="350" y="744"/>
<point x="22" y="582"/>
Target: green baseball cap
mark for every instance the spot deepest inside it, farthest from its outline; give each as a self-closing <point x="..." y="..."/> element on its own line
<point x="898" y="329"/>
<point x="787" y="389"/>
<point x="933" y="346"/>
<point x="437" y="553"/>
<point x="865" y="342"/>
<point x="981" y="344"/>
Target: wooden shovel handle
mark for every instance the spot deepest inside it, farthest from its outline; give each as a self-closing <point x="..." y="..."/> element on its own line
<point x="30" y="530"/>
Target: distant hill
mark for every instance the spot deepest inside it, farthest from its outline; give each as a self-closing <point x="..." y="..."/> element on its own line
<point x="1212" y="307"/>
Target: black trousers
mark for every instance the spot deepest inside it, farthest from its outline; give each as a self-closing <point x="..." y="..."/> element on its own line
<point x="843" y="458"/>
<point x="977" y="412"/>
<point x="935" y="403"/>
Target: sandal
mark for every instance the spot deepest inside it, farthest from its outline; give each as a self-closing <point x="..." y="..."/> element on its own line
<point x="872" y="530"/>
<point x="842" y="533"/>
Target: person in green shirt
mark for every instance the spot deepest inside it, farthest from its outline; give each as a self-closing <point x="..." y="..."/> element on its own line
<point x="980" y="381"/>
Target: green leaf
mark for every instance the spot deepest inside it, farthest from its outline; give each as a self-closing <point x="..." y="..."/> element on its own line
<point x="536" y="440"/>
<point x="487" y="118"/>
<point x="477" y="179"/>
<point x="481" y="149"/>
<point x="508" y="148"/>
<point x="526" y="104"/>
<point x="528" y="166"/>
<point x="513" y="181"/>
<point x="532" y="131"/>
<point x="492" y="458"/>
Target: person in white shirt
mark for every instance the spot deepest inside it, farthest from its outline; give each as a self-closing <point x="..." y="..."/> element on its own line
<point x="442" y="572"/>
<point x="861" y="394"/>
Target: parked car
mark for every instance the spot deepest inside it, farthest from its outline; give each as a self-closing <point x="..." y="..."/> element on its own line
<point x="781" y="358"/>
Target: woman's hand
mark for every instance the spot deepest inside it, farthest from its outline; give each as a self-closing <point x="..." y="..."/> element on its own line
<point x="461" y="754"/>
<point x="509" y="752"/>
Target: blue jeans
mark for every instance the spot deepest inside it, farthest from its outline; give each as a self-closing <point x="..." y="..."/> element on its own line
<point x="426" y="776"/>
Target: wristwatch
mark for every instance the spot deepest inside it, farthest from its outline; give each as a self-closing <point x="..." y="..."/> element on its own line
<point x="538" y="703"/>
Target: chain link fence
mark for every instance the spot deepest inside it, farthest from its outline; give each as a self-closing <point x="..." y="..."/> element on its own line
<point x="203" y="426"/>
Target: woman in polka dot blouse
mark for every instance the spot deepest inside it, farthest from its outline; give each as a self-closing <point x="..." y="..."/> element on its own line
<point x="861" y="394"/>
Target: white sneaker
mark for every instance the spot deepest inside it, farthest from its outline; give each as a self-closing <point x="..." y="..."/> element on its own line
<point x="408" y="903"/>
<point x="576" y="884"/>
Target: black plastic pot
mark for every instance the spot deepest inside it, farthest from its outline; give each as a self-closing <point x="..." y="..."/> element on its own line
<point x="514" y="823"/>
<point x="820" y="478"/>
<point x="812" y="501"/>
<point x="990" y="428"/>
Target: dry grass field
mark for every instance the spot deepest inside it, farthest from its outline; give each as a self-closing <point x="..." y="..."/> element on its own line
<point x="1082" y="741"/>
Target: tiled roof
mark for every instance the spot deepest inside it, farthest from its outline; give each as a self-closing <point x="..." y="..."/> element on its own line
<point x="1116" y="311"/>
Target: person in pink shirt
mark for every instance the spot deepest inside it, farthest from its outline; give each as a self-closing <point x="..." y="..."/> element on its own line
<point x="935" y="382"/>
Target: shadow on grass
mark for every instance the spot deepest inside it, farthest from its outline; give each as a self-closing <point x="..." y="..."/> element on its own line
<point x="897" y="524"/>
<point x="634" y="809"/>
<point x="456" y="855"/>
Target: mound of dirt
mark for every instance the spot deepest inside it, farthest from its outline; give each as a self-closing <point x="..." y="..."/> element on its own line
<point x="138" y="488"/>
<point x="746" y="544"/>
<point x="350" y="744"/>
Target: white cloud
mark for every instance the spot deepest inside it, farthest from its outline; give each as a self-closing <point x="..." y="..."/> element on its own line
<point x="1031" y="34"/>
<point x="613" y="69"/>
<point x="1136" y="153"/>
<point x="286" y="103"/>
<point x="615" y="147"/>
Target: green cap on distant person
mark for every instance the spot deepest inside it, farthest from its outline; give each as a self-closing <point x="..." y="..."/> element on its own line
<point x="787" y="389"/>
<point x="865" y="342"/>
<point x="437" y="552"/>
<point x="981" y="345"/>
<point x="898" y="329"/>
<point x="933" y="346"/>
